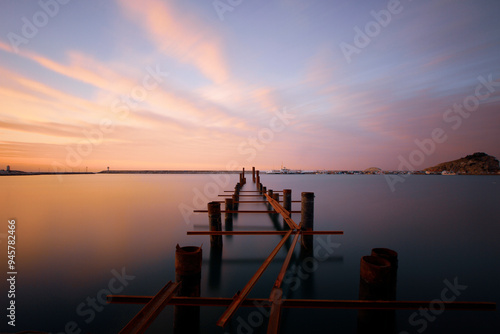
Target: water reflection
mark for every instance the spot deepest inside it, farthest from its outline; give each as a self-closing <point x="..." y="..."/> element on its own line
<point x="215" y="267"/>
<point x="73" y="233"/>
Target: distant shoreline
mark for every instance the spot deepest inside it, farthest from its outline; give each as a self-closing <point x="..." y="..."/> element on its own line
<point x="329" y="172"/>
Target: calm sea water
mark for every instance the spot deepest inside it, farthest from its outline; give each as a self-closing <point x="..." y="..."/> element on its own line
<point x="75" y="237"/>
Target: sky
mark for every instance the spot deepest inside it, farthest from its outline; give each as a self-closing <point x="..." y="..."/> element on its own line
<point x="203" y="84"/>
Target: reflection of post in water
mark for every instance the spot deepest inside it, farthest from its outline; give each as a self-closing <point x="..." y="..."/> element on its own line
<point x="215" y="267"/>
<point x="307" y="262"/>
<point x="188" y="271"/>
<point x="378" y="275"/>
<point x="215" y="223"/>
<point x="228" y="221"/>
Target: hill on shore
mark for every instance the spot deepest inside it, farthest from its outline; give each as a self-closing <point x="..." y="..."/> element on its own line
<point x="477" y="163"/>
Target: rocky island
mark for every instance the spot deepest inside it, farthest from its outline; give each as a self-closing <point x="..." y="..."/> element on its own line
<point x="478" y="163"/>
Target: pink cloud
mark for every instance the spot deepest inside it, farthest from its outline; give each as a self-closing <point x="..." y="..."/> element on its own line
<point x="187" y="39"/>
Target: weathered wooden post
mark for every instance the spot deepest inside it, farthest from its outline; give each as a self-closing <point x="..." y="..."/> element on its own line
<point x="307" y="220"/>
<point x="375" y="284"/>
<point x="215" y="223"/>
<point x="257" y="179"/>
<point x="264" y="191"/>
<point x="229" y="216"/>
<point x="188" y="271"/>
<point x="253" y="174"/>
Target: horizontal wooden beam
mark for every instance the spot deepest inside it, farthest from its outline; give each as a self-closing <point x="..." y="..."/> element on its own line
<point x="255" y="201"/>
<point x="263" y="232"/>
<point x="244" y="211"/>
<point x="251" y="191"/>
<point x="308" y="303"/>
<point x="241" y="195"/>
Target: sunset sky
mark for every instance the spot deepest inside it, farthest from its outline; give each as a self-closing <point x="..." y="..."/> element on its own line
<point x="205" y="84"/>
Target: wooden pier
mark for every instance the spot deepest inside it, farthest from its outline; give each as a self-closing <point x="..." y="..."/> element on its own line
<point x="279" y="202"/>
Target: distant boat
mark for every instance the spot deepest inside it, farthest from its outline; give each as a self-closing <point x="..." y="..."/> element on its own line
<point x="283" y="170"/>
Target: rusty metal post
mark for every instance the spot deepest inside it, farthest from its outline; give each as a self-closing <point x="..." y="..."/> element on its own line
<point x="307" y="211"/>
<point x="307" y="220"/>
<point x="215" y="223"/>
<point x="392" y="257"/>
<point x="188" y="271"/>
<point x="287" y="200"/>
<point x="270" y="194"/>
<point x="375" y="284"/>
<point x="287" y="205"/>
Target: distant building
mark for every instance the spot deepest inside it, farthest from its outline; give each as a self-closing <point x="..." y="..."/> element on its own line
<point x="8" y="168"/>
